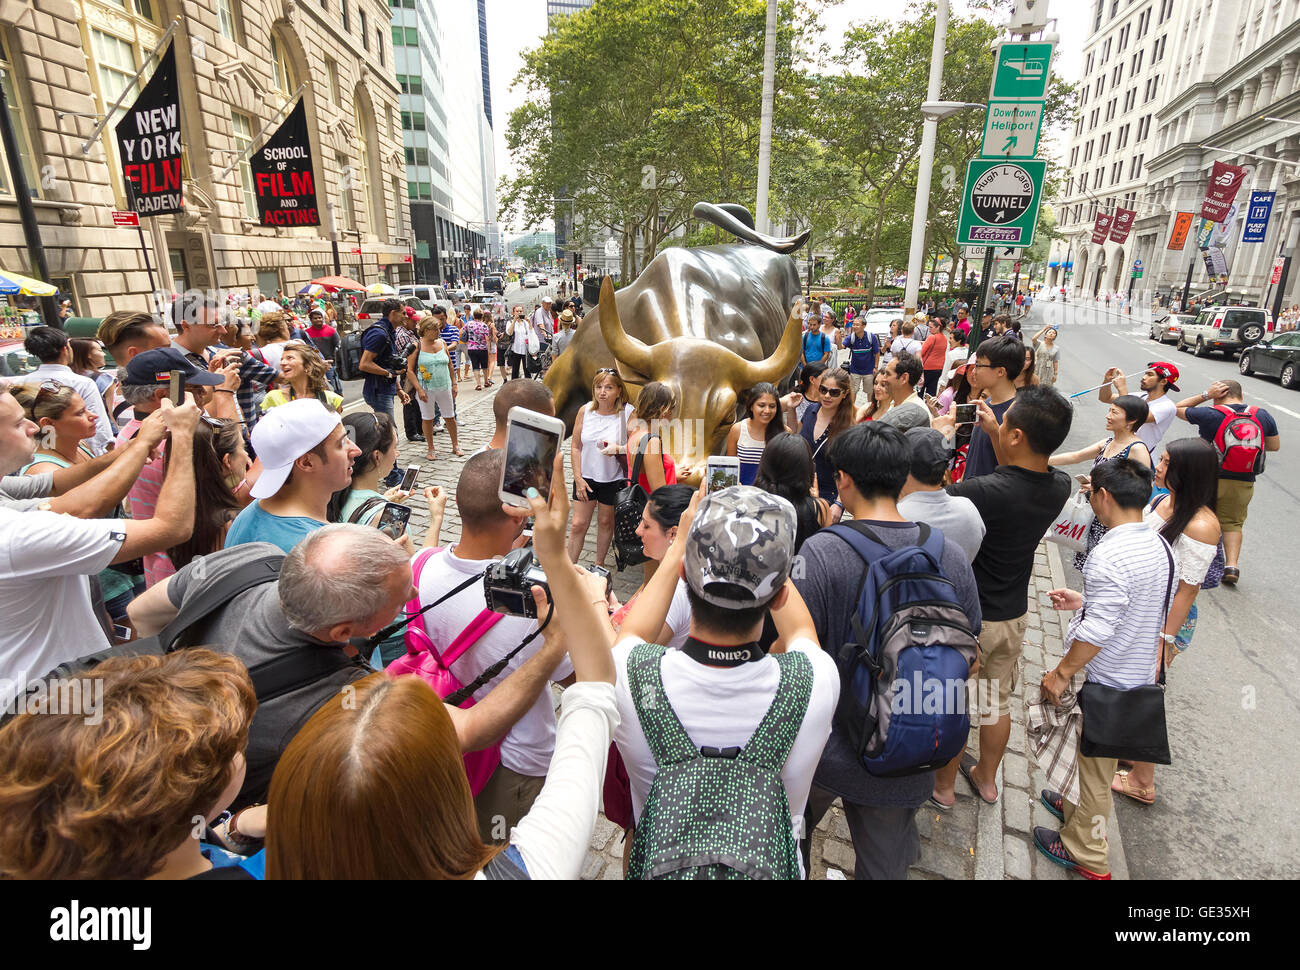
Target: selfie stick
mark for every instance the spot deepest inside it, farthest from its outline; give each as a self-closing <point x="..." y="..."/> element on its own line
<point x="1104" y="383"/>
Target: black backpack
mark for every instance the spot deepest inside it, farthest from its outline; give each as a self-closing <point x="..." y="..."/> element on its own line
<point x="628" y="506"/>
<point x="271" y="679"/>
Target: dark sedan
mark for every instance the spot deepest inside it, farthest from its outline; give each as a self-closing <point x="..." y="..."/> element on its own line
<point x="1277" y="356"/>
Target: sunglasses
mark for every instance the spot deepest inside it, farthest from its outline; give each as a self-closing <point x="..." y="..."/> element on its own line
<point x="351" y="431"/>
<point x="606" y="370"/>
<point x="831" y="391"/>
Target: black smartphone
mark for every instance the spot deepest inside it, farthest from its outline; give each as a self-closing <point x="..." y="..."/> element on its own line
<point x="176" y="387"/>
<point x="392" y="521"/>
<point x="408" y="479"/>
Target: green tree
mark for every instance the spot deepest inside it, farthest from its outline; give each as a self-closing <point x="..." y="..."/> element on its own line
<point x="638" y="109"/>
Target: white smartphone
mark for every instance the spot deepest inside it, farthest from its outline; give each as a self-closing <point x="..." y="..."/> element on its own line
<point x="532" y="442"/>
<point x="966" y="413"/>
<point x="408" y="479"/>
<point x="721" y="471"/>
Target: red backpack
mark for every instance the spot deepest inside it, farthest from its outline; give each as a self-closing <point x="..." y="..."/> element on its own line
<point x="424" y="660"/>
<point x="1240" y="441"/>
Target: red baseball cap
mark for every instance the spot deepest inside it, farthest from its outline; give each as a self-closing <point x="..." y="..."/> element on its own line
<point x="1166" y="370"/>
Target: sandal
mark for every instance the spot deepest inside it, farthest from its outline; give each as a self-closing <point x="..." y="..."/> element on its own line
<point x="478" y="387"/>
<point x="1143" y="796"/>
<point x="966" y="766"/>
<point x="458" y="453"/>
<point x="430" y="457"/>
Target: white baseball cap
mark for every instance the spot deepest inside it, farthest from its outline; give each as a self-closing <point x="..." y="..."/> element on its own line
<point x="286" y="433"/>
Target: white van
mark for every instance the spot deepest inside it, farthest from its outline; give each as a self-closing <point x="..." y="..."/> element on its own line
<point x="430" y="294"/>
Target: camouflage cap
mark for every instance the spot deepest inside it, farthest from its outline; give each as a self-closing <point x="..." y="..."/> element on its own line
<point x="744" y="537"/>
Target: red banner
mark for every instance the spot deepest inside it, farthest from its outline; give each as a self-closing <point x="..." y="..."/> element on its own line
<point x="1182" y="223"/>
<point x="1123" y="223"/>
<point x="1225" y="180"/>
<point x="1101" y="228"/>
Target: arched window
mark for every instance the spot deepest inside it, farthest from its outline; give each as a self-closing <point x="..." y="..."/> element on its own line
<point x="361" y="119"/>
<point x="281" y="70"/>
<point x="115" y="54"/>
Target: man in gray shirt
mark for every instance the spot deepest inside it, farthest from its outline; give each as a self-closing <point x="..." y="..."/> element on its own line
<point x="924" y="499"/>
<point x="901" y="376"/>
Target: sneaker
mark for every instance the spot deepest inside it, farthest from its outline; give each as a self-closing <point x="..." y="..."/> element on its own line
<point x="416" y="437"/>
<point x="1048" y="841"/>
<point x="1054" y="802"/>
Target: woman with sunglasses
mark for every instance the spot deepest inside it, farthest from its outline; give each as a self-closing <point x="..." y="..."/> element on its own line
<point x="822" y="422"/>
<point x="64" y="422"/>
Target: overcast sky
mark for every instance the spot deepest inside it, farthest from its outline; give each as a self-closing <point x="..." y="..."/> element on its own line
<point x="518" y="25"/>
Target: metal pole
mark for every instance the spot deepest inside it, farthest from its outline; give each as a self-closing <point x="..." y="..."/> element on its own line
<point x="280" y="112"/>
<point x="1132" y="276"/>
<point x="27" y="211"/>
<point x="765" y="119"/>
<point x="334" y="238"/>
<point x="977" y="315"/>
<point x="1281" y="288"/>
<point x="929" y="132"/>
<point x="1187" y="286"/>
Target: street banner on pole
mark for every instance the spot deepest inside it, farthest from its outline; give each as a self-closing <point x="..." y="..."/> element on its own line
<point x="1225" y="181"/>
<point x="1204" y="230"/>
<point x="1182" y="223"/>
<point x="282" y="175"/>
<point x="1123" y="223"/>
<point x="1277" y="270"/>
<point x="1257" y="214"/>
<point x="149" y="143"/>
<point x="1101" y="228"/>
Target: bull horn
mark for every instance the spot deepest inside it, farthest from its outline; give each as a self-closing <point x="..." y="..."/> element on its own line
<point x="782" y="360"/>
<point x="627" y="350"/>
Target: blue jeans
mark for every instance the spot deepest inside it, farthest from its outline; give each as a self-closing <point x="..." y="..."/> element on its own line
<point x="381" y="402"/>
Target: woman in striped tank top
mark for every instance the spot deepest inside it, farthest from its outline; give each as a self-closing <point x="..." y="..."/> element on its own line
<point x="750" y="435"/>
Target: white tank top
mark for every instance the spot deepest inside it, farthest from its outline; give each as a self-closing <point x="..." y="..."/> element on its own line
<point x="610" y="428"/>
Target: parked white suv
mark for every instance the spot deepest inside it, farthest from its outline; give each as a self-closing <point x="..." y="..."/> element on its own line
<point x="429" y="294"/>
<point x="1224" y="329"/>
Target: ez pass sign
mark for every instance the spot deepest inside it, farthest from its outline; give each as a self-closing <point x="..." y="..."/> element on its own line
<point x="1000" y="202"/>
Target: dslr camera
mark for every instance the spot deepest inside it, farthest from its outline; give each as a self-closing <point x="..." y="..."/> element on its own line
<point x="507" y="585"/>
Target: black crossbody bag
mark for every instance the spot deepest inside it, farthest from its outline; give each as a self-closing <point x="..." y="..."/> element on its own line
<point x="1130" y="723"/>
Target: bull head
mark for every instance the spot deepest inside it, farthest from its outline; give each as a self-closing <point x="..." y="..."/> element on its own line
<point x="705" y="376"/>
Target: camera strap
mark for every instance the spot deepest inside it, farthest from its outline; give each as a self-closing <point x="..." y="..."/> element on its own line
<point x="731" y="655"/>
<point x="457" y="698"/>
<point x="367" y="646"/>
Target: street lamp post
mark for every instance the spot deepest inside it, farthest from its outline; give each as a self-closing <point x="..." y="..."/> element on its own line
<point x="929" y="133"/>
<point x="765" y="118"/>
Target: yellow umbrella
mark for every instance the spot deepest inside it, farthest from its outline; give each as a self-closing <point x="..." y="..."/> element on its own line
<point x="13" y="284"/>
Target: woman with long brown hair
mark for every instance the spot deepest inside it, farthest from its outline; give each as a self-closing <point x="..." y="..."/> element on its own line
<point x="375" y="787"/>
<point x="302" y="374"/>
<point x="823" y="421"/>
<point x="597" y="477"/>
<point x="220" y="488"/>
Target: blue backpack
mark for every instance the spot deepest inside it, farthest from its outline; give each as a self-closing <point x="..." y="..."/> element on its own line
<point x="903" y="678"/>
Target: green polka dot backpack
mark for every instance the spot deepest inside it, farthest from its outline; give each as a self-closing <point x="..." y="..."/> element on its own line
<point x="716" y="814"/>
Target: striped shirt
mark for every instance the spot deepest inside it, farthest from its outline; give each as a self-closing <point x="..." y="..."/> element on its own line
<point x="750" y="452"/>
<point x="1127" y="586"/>
<point x="142" y="501"/>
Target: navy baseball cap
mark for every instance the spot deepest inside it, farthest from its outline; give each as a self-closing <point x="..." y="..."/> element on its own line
<point x="155" y="366"/>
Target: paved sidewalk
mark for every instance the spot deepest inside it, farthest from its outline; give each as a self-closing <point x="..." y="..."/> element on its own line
<point x="973" y="841"/>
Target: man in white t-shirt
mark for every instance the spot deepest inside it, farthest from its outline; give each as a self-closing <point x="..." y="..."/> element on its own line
<point x="736" y="558"/>
<point x="1160" y="378"/>
<point x="47" y="559"/>
<point x="487" y="534"/>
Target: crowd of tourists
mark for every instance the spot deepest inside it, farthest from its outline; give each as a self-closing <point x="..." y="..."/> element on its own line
<point x="338" y="699"/>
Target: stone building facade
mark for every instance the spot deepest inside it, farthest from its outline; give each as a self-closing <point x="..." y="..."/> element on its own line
<point x="1235" y="98"/>
<point x="239" y="63"/>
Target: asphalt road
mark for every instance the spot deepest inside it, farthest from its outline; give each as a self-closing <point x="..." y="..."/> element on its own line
<point x="1223" y="809"/>
<point x="530" y="298"/>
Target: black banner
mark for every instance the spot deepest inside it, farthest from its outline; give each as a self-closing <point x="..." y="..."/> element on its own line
<point x="282" y="176"/>
<point x="149" y="143"/>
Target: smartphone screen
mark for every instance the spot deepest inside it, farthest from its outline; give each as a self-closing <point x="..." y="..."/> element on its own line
<point x="176" y="387"/>
<point x="408" y="479"/>
<point x="392" y="521"/>
<point x="721" y="474"/>
<point x="530" y="457"/>
<point x="965" y="413"/>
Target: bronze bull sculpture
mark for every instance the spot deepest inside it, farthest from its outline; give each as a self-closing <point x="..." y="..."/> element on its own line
<point x="709" y="322"/>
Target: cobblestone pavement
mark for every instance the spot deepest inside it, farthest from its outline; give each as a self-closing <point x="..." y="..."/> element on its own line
<point x="973" y="841"/>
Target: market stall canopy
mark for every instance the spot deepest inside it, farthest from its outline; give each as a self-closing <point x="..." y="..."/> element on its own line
<point x="380" y="289"/>
<point x="12" y="284"/>
<point x="333" y="283"/>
